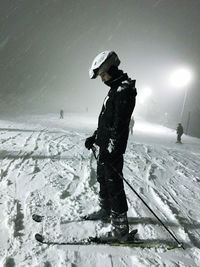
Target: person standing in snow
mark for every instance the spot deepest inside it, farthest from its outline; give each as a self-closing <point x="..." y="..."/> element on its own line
<point x="131" y="125"/>
<point x="111" y="136"/>
<point x="179" y="131"/>
<point x="61" y="114"/>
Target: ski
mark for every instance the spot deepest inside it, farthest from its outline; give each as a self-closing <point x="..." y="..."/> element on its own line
<point x="98" y="241"/>
<point x="132" y="242"/>
<point x="109" y="240"/>
<point x="37" y="217"/>
<point x="132" y="221"/>
<point x="40" y="218"/>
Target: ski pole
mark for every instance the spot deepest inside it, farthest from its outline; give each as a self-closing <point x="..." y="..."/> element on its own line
<point x="166" y="228"/>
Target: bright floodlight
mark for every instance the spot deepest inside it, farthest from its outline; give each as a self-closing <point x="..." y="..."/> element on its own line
<point x="181" y="77"/>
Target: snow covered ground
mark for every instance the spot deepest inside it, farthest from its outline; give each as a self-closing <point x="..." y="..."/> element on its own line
<point x="45" y="169"/>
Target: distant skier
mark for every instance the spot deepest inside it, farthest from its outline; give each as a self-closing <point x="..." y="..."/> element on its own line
<point x="61" y="114"/>
<point x="179" y="132"/>
<point x="111" y="137"/>
<point x="131" y="125"/>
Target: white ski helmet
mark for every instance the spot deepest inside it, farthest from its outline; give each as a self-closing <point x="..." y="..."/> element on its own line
<point x="103" y="62"/>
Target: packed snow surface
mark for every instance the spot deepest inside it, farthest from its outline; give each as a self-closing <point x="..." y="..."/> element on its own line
<point x="45" y="169"/>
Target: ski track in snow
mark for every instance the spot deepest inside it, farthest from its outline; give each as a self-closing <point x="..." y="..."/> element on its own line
<point x="48" y="171"/>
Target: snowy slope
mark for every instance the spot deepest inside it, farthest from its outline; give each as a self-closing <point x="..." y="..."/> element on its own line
<point x="45" y="169"/>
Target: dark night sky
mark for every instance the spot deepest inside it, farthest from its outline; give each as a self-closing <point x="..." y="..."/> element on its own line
<point x="47" y="46"/>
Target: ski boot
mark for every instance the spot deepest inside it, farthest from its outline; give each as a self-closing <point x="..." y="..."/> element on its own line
<point x="103" y="213"/>
<point x="120" y="227"/>
<point x="119" y="232"/>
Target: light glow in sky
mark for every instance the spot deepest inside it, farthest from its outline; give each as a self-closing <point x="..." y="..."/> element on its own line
<point x="181" y="77"/>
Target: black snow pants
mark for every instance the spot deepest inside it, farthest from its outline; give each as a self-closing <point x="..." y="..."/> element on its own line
<point x="112" y="195"/>
<point x="179" y="137"/>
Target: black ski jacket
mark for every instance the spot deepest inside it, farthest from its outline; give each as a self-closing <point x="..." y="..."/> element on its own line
<point x="114" y="118"/>
<point x="179" y="129"/>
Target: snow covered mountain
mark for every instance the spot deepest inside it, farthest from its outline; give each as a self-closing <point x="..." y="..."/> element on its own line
<point x="45" y="169"/>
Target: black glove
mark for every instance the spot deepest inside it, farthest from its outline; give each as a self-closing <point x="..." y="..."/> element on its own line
<point x="89" y="142"/>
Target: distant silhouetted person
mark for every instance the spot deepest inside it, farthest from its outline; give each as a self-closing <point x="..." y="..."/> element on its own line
<point x="61" y="114"/>
<point x="131" y="125"/>
<point x="179" y="132"/>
